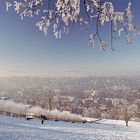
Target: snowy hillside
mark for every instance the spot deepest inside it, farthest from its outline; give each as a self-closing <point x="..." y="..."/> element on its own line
<point x="19" y="129"/>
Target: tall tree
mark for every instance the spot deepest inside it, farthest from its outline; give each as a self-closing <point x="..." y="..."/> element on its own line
<point x="46" y="99"/>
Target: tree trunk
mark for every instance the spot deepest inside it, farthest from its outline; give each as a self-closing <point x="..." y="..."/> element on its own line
<point x="50" y="103"/>
<point x="126" y="122"/>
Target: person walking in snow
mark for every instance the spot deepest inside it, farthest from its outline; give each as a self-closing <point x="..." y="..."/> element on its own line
<point x="43" y="118"/>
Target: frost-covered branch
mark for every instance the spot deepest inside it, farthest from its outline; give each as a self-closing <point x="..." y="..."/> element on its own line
<point x="58" y="14"/>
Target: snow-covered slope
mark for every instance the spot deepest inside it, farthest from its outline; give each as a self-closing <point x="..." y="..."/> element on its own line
<point x="20" y="129"/>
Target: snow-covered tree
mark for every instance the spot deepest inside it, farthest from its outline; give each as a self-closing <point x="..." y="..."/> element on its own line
<point x="21" y="109"/>
<point x="59" y="14"/>
<point x="129" y="112"/>
<point x="46" y="99"/>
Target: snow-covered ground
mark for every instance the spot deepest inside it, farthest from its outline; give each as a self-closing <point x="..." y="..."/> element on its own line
<point x="19" y="129"/>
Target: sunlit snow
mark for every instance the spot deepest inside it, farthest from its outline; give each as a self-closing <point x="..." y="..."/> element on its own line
<point x="20" y="129"/>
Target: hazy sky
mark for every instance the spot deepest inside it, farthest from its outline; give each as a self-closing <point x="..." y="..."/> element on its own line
<point x="24" y="50"/>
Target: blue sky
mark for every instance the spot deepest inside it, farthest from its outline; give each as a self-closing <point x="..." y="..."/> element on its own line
<point x="24" y="50"/>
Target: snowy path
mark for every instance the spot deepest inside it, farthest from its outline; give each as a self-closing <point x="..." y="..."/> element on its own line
<point x="20" y="129"/>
